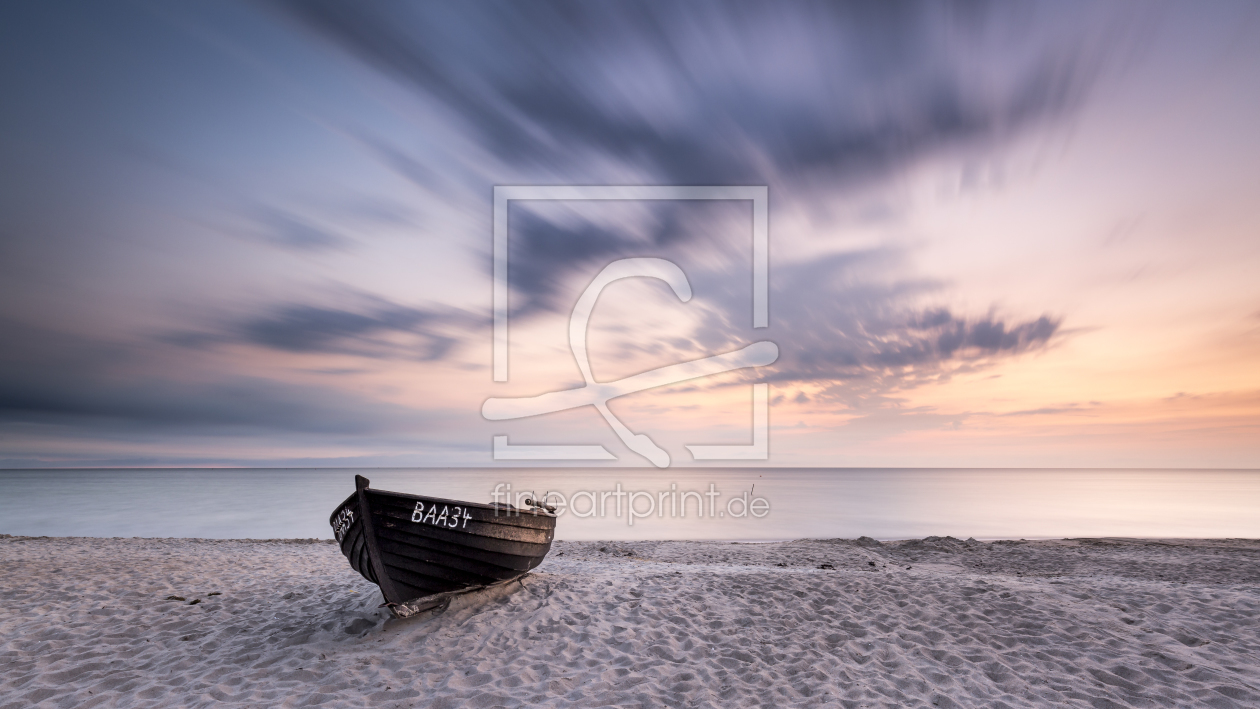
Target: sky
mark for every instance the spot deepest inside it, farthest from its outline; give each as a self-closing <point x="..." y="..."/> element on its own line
<point x="260" y="233"/>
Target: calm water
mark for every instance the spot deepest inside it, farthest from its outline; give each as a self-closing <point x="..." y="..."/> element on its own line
<point x="881" y="503"/>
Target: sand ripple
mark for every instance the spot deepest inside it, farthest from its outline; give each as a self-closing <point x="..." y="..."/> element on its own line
<point x="924" y="623"/>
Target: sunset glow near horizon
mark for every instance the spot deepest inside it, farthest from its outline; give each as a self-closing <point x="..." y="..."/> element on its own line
<point x="259" y="234"/>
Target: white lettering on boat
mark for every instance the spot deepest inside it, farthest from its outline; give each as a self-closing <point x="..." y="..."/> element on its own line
<point x="341" y="525"/>
<point x="452" y="516"/>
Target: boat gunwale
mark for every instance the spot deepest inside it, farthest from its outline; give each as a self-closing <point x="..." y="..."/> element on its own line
<point x="508" y="513"/>
<point x="456" y="537"/>
<point x="504" y="519"/>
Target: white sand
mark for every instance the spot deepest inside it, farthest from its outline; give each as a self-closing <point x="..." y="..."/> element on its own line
<point x="1102" y="623"/>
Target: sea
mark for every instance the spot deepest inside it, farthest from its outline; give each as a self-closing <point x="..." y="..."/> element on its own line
<point x="735" y="504"/>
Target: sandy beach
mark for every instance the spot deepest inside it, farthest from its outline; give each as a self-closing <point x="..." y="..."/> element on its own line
<point x="926" y="623"/>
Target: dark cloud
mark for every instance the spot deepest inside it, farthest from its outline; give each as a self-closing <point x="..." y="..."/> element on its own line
<point x="847" y="322"/>
<point x="378" y="329"/>
<point x="61" y="379"/>
<point x="851" y="322"/>
<point x="290" y="232"/>
<point x="545" y="253"/>
<point x="239" y="403"/>
<point x="708" y="92"/>
<point x="807" y="98"/>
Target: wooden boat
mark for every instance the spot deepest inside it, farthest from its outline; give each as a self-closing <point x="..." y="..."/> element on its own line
<point x="422" y="551"/>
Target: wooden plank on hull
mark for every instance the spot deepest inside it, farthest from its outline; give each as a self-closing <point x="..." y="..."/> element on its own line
<point x="490" y="544"/>
<point x="472" y="554"/>
<point x="439" y="585"/>
<point x="446" y="568"/>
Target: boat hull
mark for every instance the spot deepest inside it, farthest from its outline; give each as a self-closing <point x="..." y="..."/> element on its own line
<point x="422" y="551"/>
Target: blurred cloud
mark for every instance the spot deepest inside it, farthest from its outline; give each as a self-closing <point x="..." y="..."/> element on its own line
<point x="550" y="249"/>
<point x="808" y="100"/>
<point x="699" y="93"/>
<point x="853" y="323"/>
<point x="237" y="404"/>
<point x="288" y="231"/>
<point x="62" y="379"/>
<point x="371" y="331"/>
